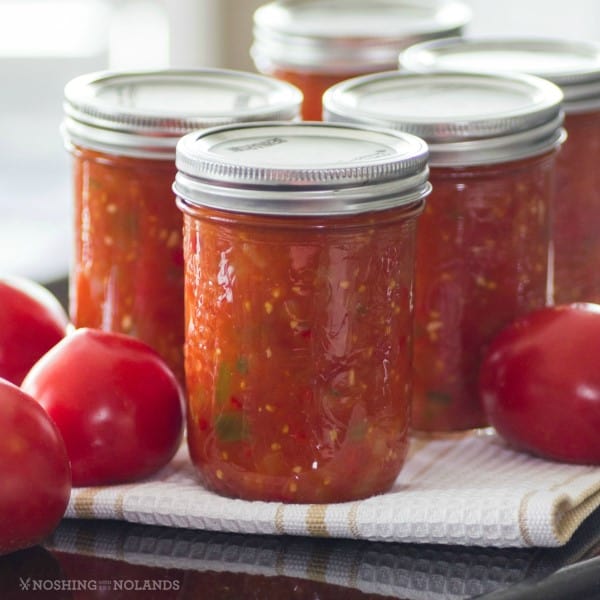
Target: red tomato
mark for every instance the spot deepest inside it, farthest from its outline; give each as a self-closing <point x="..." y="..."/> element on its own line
<point x="34" y="469"/>
<point x="115" y="401"/>
<point x="540" y="383"/>
<point x="31" y="322"/>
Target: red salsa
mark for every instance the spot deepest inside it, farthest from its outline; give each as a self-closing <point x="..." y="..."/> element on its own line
<point x="313" y="86"/>
<point x="299" y="330"/>
<point x="482" y="256"/>
<point x="297" y="353"/>
<point x="127" y="273"/>
<point x="577" y="212"/>
<point x="483" y="242"/>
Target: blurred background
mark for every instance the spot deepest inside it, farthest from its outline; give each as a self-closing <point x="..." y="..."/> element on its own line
<point x="44" y="43"/>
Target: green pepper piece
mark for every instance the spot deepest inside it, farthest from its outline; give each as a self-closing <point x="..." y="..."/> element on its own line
<point x="231" y="427"/>
<point x="223" y="386"/>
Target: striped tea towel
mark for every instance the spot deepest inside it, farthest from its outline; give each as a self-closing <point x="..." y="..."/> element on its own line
<point x="472" y="491"/>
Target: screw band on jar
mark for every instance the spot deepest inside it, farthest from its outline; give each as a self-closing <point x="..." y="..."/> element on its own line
<point x="574" y="66"/>
<point x="299" y="309"/>
<point x="144" y="113"/>
<point x="518" y="116"/>
<point x="341" y="34"/>
<point x="366" y="171"/>
<point x="121" y="129"/>
<point x="483" y="246"/>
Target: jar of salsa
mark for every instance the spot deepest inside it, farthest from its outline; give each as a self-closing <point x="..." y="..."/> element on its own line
<point x="121" y="129"/>
<point x="299" y="261"/>
<point x="575" y="67"/>
<point x="314" y="43"/>
<point x="483" y="241"/>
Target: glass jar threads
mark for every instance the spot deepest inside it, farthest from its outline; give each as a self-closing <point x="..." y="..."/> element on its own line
<point x="299" y="254"/>
<point x="483" y="240"/>
<point x="121" y="129"/>
<point x="314" y="43"/>
<point x="575" y="67"/>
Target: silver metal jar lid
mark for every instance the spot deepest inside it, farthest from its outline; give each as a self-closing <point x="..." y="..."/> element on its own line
<point x="144" y="113"/>
<point x="349" y="35"/>
<point x="465" y="118"/>
<point x="574" y="66"/>
<point x="309" y="169"/>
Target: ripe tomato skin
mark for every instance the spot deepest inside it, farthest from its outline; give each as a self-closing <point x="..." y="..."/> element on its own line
<point x="116" y="402"/>
<point x="34" y="469"/>
<point x="540" y="383"/>
<point x="31" y="322"/>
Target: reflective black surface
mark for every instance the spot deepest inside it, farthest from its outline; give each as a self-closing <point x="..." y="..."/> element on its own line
<point x="107" y="559"/>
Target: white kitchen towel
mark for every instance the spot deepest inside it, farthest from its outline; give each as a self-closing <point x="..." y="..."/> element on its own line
<point x="472" y="491"/>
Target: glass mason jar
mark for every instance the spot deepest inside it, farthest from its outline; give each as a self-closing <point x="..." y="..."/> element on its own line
<point x="314" y="44"/>
<point x="482" y="254"/>
<point x="299" y="260"/>
<point x="575" y="67"/>
<point x="121" y="129"/>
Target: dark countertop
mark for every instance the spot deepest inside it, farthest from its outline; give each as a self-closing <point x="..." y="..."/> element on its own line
<point x="110" y="559"/>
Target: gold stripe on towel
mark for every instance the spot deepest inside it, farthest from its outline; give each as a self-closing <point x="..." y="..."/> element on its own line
<point x="523" y="526"/>
<point x="118" y="508"/>
<point x="315" y="520"/>
<point x="83" y="504"/>
<point x="353" y="520"/>
<point x="279" y="526"/>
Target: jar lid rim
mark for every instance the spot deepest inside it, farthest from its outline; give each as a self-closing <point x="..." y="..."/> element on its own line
<point x="132" y="110"/>
<point x="573" y="65"/>
<point x="302" y="167"/>
<point x="345" y="34"/>
<point x="458" y="113"/>
<point x="408" y="18"/>
<point x="583" y="56"/>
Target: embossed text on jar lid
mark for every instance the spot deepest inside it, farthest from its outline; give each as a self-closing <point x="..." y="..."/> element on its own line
<point x="144" y="113"/>
<point x="301" y="168"/>
<point x="572" y="65"/>
<point x="349" y="35"/>
<point x="465" y="118"/>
